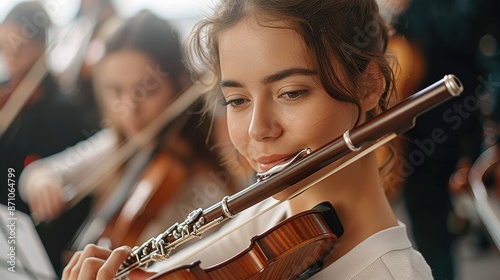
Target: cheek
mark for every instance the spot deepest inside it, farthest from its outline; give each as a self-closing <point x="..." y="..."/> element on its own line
<point x="318" y="129"/>
<point x="23" y="62"/>
<point x="152" y="107"/>
<point x="18" y="67"/>
<point x="115" y="110"/>
<point x="156" y="103"/>
<point x="238" y="132"/>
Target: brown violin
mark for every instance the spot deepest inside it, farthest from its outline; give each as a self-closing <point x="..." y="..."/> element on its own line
<point x="138" y="198"/>
<point x="276" y="254"/>
<point x="135" y="201"/>
<point x="160" y="181"/>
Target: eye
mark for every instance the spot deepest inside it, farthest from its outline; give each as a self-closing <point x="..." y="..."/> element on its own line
<point x="294" y="95"/>
<point x="238" y="102"/>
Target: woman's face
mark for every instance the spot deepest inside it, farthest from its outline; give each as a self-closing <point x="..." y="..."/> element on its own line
<point x="275" y="106"/>
<point x="20" y="52"/>
<point x="133" y="91"/>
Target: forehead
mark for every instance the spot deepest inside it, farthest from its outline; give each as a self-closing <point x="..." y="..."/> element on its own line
<point x="126" y="65"/>
<point x="9" y="32"/>
<point x="250" y="45"/>
<point x="8" y="27"/>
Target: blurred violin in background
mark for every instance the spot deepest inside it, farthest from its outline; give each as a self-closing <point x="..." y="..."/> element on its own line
<point x="151" y="162"/>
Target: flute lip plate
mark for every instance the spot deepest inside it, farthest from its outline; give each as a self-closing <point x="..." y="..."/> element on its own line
<point x="261" y="176"/>
<point x="453" y="85"/>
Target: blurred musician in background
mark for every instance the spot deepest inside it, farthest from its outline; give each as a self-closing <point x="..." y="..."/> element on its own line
<point x="140" y="74"/>
<point x="49" y="121"/>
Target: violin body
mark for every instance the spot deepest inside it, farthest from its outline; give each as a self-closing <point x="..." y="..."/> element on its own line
<point x="285" y="251"/>
<point x="158" y="184"/>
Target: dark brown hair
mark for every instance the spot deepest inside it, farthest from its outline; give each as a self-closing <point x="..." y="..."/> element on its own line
<point x="343" y="36"/>
<point x="154" y="37"/>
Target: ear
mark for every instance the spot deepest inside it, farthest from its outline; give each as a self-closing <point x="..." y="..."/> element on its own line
<point x="374" y="86"/>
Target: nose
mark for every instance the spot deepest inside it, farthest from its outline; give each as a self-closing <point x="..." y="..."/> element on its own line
<point x="134" y="99"/>
<point x="264" y="125"/>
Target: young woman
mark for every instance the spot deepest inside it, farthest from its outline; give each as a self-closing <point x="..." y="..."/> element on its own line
<point x="295" y="75"/>
<point x="139" y="76"/>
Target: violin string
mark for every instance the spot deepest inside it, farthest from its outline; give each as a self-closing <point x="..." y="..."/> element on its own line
<point x="382" y="141"/>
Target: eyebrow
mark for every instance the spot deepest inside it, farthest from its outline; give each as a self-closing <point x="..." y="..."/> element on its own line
<point x="274" y="77"/>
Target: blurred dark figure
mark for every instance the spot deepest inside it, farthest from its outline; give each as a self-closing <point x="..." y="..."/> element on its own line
<point x="489" y="56"/>
<point x="49" y="121"/>
<point x="449" y="137"/>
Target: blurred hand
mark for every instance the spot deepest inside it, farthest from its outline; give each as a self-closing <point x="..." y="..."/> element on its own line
<point x="459" y="180"/>
<point x="45" y="197"/>
<point x="100" y="263"/>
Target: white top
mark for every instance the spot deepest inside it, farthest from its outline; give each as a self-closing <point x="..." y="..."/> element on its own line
<point x="70" y="163"/>
<point x="387" y="254"/>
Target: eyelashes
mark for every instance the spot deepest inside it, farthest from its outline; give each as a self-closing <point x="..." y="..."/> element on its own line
<point x="289" y="96"/>
<point x="237" y="102"/>
<point x="294" y="95"/>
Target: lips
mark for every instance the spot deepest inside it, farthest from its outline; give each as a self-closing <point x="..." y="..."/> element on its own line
<point x="267" y="162"/>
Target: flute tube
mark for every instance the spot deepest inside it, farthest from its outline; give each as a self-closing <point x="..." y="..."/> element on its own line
<point x="397" y="119"/>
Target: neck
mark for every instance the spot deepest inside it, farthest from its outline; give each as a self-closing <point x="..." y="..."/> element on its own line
<point x="358" y="198"/>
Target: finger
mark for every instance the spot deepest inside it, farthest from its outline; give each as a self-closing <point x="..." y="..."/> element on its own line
<point x="55" y="203"/>
<point x="34" y="202"/>
<point x="34" y="211"/>
<point x="90" y="268"/>
<point x="113" y="263"/>
<point x="90" y="251"/>
<point x="43" y="206"/>
<point x="70" y="265"/>
<point x="35" y="196"/>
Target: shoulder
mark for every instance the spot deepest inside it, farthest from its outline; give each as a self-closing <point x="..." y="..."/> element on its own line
<point x="403" y="264"/>
<point x="387" y="254"/>
<point x="406" y="264"/>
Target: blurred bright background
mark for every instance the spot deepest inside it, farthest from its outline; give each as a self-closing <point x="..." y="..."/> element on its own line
<point x="67" y="43"/>
<point x="63" y="12"/>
